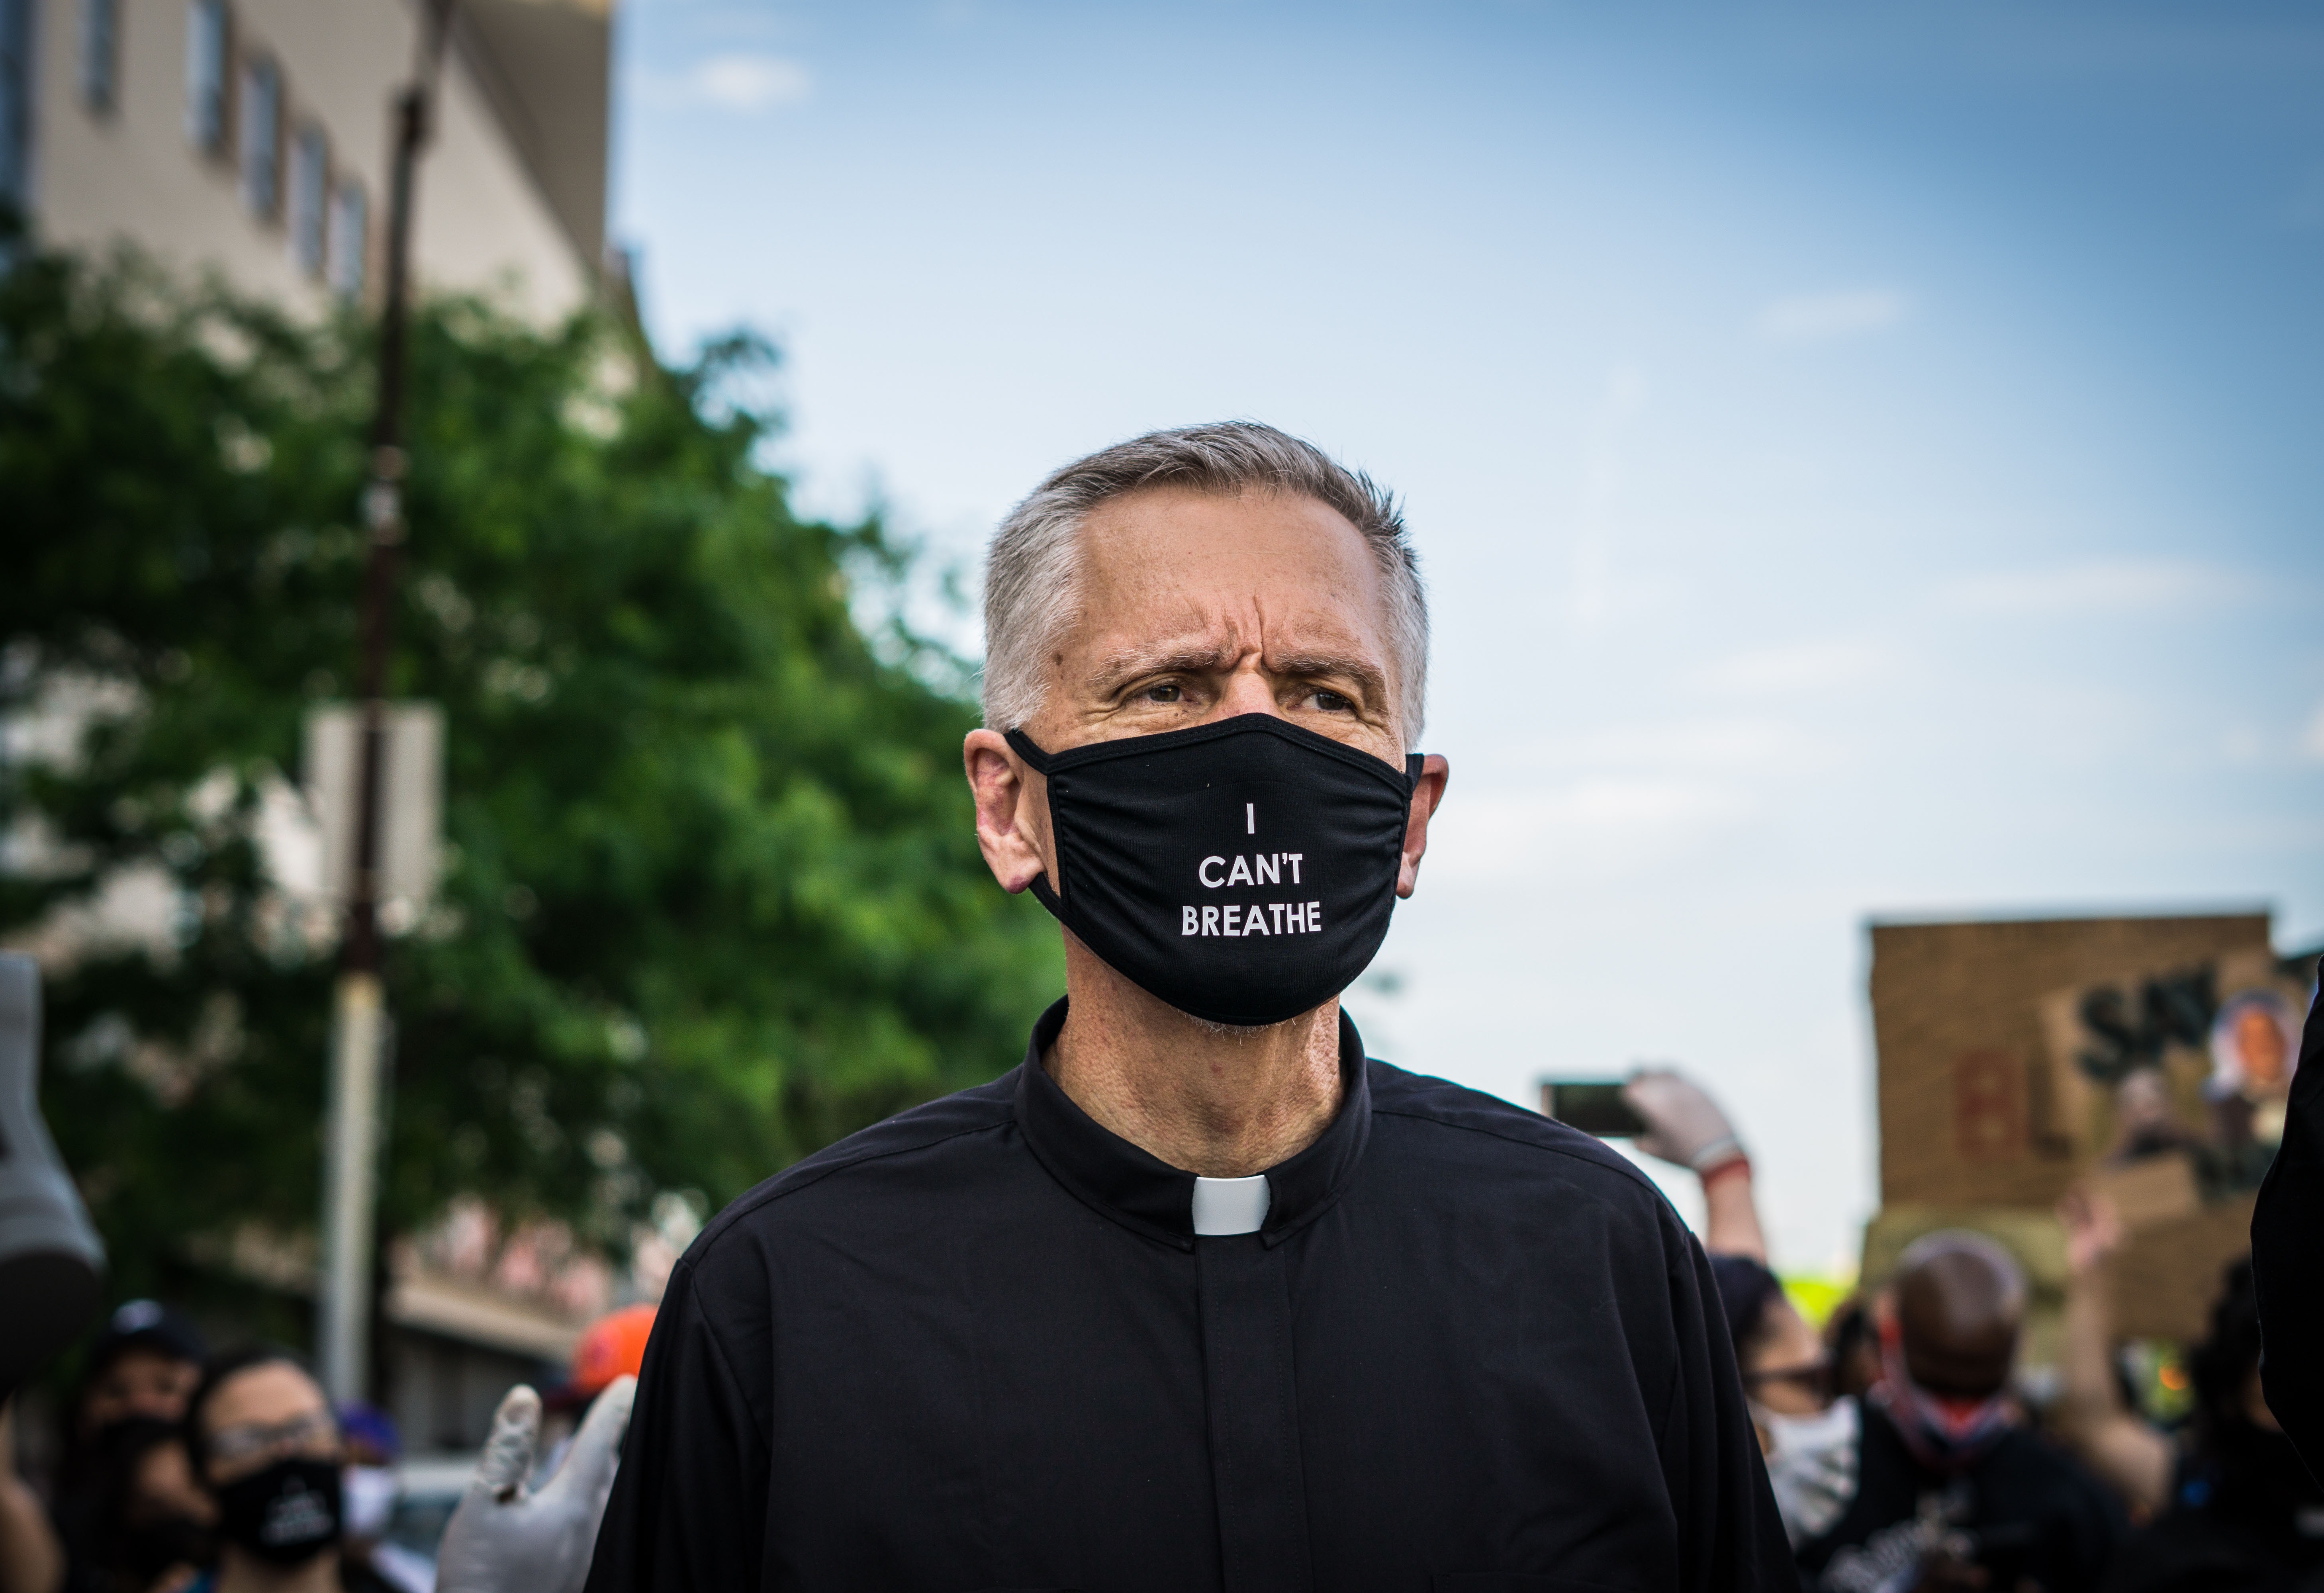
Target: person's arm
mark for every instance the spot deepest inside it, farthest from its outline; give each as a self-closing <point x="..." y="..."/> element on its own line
<point x="2125" y="1452"/>
<point x="2288" y="1259"/>
<point x="32" y="1560"/>
<point x="1686" y="1126"/>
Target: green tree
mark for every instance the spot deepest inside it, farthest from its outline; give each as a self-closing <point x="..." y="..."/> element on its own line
<point x="713" y="897"/>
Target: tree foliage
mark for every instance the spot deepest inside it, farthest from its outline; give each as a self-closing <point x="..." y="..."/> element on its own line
<point x="712" y="896"/>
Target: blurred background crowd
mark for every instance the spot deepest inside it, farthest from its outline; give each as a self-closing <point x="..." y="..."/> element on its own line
<point x="545" y="680"/>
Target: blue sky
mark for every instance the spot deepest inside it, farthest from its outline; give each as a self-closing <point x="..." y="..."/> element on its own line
<point x="1865" y="458"/>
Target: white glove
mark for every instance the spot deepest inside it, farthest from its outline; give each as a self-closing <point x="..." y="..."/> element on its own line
<point x="504" y="1537"/>
<point x="1683" y="1125"/>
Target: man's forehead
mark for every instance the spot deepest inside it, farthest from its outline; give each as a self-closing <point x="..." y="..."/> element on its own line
<point x="1173" y="568"/>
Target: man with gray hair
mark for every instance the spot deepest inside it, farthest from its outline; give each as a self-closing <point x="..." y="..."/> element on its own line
<point x="1198" y="1296"/>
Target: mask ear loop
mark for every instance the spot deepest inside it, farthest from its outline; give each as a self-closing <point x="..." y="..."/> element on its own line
<point x="1040" y="762"/>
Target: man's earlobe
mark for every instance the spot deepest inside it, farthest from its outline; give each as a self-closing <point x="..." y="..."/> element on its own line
<point x="998" y="781"/>
<point x="1428" y="796"/>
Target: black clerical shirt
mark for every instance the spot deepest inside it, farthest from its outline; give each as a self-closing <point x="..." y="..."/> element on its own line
<point x="979" y="1346"/>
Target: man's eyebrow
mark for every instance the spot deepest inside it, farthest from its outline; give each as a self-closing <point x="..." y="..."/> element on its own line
<point x="1316" y="666"/>
<point x="1118" y="669"/>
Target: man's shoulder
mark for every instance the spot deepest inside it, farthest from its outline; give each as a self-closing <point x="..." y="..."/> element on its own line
<point x="1492" y="1131"/>
<point x="902" y="1148"/>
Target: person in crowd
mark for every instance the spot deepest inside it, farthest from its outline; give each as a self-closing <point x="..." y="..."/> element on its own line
<point x="266" y="1448"/>
<point x="143" y="1365"/>
<point x="1953" y="1490"/>
<point x="2243" y="1515"/>
<point x="2288" y="1257"/>
<point x="31" y="1560"/>
<point x="1808" y="1437"/>
<point x="1198" y="1295"/>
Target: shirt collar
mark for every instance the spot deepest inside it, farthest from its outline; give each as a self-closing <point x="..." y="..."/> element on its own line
<point x="1145" y="1194"/>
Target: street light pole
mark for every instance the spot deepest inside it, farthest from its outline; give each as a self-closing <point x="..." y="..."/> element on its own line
<point x="359" y="1030"/>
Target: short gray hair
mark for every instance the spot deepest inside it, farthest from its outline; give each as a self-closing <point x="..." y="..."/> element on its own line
<point x="1031" y="574"/>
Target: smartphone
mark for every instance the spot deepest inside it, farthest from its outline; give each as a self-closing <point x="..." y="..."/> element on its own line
<point x="1594" y="1106"/>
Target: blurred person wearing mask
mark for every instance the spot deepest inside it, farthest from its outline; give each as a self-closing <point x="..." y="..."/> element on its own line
<point x="1953" y="1491"/>
<point x="266" y="1448"/>
<point x="142" y="1368"/>
<point x="2245" y="1516"/>
<point x="145" y="1363"/>
<point x="1807" y="1437"/>
<point x="1198" y="1296"/>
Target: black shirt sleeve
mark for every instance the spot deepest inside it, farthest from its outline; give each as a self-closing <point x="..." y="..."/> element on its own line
<point x="688" y="1507"/>
<point x="2288" y="1258"/>
<point x="1729" y="1533"/>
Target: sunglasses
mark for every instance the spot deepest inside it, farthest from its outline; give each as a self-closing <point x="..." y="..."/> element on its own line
<point x="1813" y="1376"/>
<point x="316" y="1431"/>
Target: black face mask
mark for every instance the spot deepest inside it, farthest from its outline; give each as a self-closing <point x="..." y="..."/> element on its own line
<point x="286" y="1514"/>
<point x="1243" y="871"/>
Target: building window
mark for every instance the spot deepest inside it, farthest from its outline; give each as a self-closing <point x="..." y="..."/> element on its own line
<point x="259" y="116"/>
<point x="310" y="178"/>
<point x="206" y="49"/>
<point x="100" y="55"/>
<point x="344" y="241"/>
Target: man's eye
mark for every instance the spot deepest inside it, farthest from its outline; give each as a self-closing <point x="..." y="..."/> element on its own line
<point x="1169" y="691"/>
<point x="1330" y="702"/>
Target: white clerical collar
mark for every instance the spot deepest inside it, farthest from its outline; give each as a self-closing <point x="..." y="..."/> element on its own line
<point x="1224" y="1206"/>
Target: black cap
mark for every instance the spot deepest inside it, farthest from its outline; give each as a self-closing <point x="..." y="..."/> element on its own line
<point x="148" y="1326"/>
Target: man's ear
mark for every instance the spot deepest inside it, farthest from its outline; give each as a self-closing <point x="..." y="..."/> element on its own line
<point x="1426" y="793"/>
<point x="1006" y="794"/>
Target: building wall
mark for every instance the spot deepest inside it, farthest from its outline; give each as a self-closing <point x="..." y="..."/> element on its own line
<point x="483" y="222"/>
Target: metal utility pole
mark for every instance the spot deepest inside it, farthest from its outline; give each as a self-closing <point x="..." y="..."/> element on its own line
<point x="350" y="1201"/>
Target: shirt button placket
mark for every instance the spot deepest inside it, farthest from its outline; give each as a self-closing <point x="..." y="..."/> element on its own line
<point x="1254" y="1416"/>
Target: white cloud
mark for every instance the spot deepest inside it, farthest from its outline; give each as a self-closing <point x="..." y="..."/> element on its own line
<point x="2102" y="587"/>
<point x="736" y="81"/>
<point x="1797" y="667"/>
<point x="1816" y="318"/>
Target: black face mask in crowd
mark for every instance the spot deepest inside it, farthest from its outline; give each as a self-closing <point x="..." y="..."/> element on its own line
<point x="1243" y="871"/>
<point x="287" y="1513"/>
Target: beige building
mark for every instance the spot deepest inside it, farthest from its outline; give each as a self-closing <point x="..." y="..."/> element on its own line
<point x="255" y="137"/>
